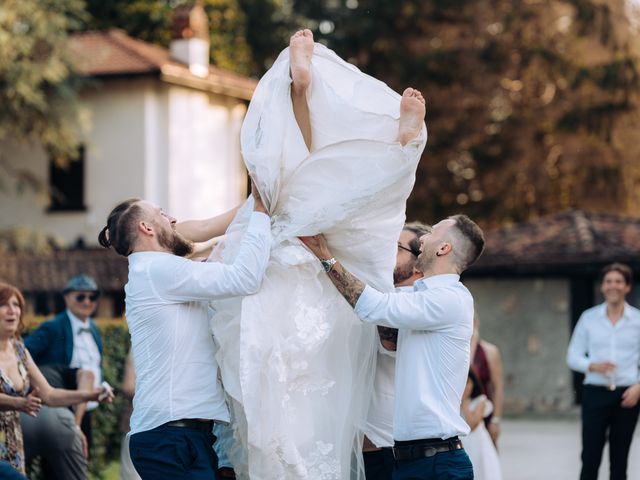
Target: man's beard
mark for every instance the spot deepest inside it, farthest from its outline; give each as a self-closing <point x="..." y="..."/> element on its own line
<point x="175" y="243"/>
<point x="402" y="273"/>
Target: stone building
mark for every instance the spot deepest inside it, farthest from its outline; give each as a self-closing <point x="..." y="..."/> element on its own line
<point x="530" y="287"/>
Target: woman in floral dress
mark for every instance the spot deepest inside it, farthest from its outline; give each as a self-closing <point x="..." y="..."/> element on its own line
<point x="23" y="388"/>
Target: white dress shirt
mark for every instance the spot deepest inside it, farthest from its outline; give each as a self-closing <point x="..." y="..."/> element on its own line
<point x="435" y="324"/>
<point x="379" y="426"/>
<point x="168" y="315"/>
<point x="595" y="339"/>
<point x="86" y="354"/>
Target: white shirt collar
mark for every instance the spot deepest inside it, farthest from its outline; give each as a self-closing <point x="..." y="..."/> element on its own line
<point x="626" y="313"/>
<point x="441" y="280"/>
<point x="76" y="323"/>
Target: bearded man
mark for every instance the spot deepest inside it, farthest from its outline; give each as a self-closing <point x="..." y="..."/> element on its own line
<point x="177" y="392"/>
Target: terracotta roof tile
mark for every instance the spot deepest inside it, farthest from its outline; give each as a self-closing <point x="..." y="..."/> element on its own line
<point x="114" y="53"/>
<point x="32" y="273"/>
<point x="563" y="239"/>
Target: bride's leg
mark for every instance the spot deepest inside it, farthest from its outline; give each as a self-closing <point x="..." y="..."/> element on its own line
<point x="412" y="111"/>
<point x="300" y="53"/>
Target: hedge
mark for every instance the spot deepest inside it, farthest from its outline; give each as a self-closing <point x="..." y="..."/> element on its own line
<point x="106" y="418"/>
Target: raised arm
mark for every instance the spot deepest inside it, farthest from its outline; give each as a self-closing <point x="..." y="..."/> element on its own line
<point x="349" y="286"/>
<point x="203" y="230"/>
<point x="431" y="310"/>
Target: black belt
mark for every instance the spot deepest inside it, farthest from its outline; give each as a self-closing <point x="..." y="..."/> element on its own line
<point x="608" y="388"/>
<point x="425" y="449"/>
<point x="200" y="425"/>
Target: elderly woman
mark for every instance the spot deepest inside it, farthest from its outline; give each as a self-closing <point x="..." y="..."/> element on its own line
<point x="23" y="388"/>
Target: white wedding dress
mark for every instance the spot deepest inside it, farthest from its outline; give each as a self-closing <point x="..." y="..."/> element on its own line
<point x="480" y="448"/>
<point x="295" y="360"/>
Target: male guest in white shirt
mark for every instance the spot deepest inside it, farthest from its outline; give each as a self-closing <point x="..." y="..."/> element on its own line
<point x="605" y="346"/>
<point x="378" y="440"/>
<point x="177" y="392"/>
<point x="435" y="323"/>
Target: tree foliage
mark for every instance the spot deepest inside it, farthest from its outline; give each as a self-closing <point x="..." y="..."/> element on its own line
<point x="532" y="106"/>
<point x="244" y="34"/>
<point x="37" y="88"/>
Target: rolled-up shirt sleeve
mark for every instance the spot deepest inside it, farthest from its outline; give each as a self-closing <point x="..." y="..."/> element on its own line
<point x="577" y="358"/>
<point x="424" y="310"/>
<point x="207" y="280"/>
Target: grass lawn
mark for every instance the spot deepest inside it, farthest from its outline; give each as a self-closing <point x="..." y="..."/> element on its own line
<point x="112" y="471"/>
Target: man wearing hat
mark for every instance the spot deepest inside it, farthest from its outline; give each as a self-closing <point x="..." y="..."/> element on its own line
<point x="70" y="342"/>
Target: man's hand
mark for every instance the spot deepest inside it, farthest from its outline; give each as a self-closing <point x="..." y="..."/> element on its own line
<point x="32" y="403"/>
<point x="631" y="396"/>
<point x="602" y="367"/>
<point x="258" y="206"/>
<point x="318" y="246"/>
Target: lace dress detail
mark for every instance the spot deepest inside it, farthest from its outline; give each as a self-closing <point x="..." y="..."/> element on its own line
<point x="11" y="445"/>
<point x="295" y="360"/>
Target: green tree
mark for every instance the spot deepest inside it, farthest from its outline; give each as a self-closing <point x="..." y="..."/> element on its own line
<point x="37" y="88"/>
<point x="532" y="106"/>
<point x="244" y="34"/>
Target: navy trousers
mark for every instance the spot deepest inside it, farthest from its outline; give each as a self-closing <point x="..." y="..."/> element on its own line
<point x="7" y="472"/>
<point x="602" y="417"/>
<point x="453" y="465"/>
<point x="166" y="453"/>
<point x="378" y="465"/>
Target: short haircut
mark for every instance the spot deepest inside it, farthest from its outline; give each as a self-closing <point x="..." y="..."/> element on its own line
<point x="120" y="231"/>
<point x="418" y="229"/>
<point x="474" y="237"/>
<point x="621" y="268"/>
<point x="6" y="292"/>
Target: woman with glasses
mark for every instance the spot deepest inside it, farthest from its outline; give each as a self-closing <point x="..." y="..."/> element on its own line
<point x="23" y="388"/>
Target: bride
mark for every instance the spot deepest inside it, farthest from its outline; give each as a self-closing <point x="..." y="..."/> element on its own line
<point x="332" y="150"/>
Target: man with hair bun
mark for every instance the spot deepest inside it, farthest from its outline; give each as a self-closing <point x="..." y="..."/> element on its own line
<point x="435" y="322"/>
<point x="177" y="392"/>
<point x="605" y="346"/>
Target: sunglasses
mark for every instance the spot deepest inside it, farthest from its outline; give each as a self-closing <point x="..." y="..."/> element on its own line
<point x="402" y="247"/>
<point x="81" y="297"/>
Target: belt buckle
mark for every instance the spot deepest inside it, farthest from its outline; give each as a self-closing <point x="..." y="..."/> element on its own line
<point x="429" y="452"/>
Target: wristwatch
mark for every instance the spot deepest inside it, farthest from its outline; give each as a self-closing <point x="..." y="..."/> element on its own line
<point x="328" y="264"/>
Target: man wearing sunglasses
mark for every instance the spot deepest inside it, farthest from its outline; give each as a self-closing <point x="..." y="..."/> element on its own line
<point x="70" y="343"/>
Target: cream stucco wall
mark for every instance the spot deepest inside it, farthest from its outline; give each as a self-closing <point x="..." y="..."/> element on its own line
<point x="206" y="175"/>
<point x="175" y="146"/>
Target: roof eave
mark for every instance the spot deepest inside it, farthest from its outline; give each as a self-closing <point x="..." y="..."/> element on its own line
<point x="179" y="75"/>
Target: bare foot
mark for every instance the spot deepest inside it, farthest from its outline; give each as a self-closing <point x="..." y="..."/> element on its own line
<point x="300" y="53"/>
<point x="412" y="111"/>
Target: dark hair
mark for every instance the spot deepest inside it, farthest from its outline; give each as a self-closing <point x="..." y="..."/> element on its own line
<point x="418" y="229"/>
<point x="477" y="389"/>
<point x="6" y="292"/>
<point x="621" y="268"/>
<point x="119" y="232"/>
<point x="473" y="233"/>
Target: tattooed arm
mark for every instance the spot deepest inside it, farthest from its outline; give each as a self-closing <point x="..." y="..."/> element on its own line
<point x="347" y="284"/>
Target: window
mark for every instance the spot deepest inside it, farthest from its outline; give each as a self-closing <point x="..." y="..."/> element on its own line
<point x="66" y="184"/>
